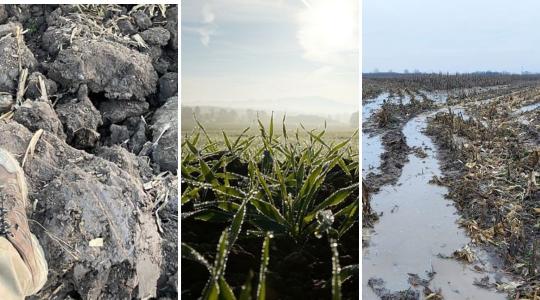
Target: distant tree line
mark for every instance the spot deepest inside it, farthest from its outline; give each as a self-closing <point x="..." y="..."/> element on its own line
<point x="443" y="81"/>
<point x="219" y="117"/>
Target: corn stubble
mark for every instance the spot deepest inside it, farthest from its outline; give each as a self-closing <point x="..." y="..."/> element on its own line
<point x="497" y="189"/>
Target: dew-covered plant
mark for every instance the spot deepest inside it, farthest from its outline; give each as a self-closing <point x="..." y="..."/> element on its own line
<point x="289" y="184"/>
<point x="217" y="286"/>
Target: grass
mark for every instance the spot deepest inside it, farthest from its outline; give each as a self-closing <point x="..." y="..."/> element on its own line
<point x="295" y="187"/>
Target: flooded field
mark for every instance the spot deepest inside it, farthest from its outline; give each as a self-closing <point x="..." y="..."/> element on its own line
<point x="418" y="230"/>
<point x="423" y="246"/>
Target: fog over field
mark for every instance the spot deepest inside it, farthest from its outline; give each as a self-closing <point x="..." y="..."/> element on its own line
<point x="298" y="57"/>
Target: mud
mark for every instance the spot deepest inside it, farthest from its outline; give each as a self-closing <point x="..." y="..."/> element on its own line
<point x="39" y="115"/>
<point x="416" y="249"/>
<point x="385" y="118"/>
<point x="417" y="234"/>
<point x="14" y="52"/>
<point x="165" y="133"/>
<point x="102" y="169"/>
<point x="119" y="72"/>
<point x="393" y="159"/>
<point x="497" y="206"/>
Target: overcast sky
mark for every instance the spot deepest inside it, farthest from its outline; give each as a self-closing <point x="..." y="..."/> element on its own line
<point x="270" y="50"/>
<point x="457" y="35"/>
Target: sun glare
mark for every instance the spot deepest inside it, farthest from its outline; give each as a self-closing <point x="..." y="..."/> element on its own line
<point x="328" y="27"/>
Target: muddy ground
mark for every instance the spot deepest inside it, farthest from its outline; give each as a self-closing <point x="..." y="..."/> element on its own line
<point x="401" y="106"/>
<point x="490" y="164"/>
<point x="489" y="156"/>
<point x="388" y="122"/>
<point x="88" y="103"/>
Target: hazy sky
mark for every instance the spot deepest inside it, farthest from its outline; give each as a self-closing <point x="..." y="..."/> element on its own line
<point x="270" y="50"/>
<point x="457" y="35"/>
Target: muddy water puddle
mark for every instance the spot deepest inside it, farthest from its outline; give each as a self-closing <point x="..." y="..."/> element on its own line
<point x="371" y="105"/>
<point x="371" y="159"/>
<point x="371" y="143"/>
<point x="527" y="108"/>
<point x="417" y="229"/>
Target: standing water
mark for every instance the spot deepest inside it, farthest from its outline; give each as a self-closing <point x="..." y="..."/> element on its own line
<point x="372" y="144"/>
<point x="417" y="229"/>
<point x="527" y="108"/>
<point x="371" y="151"/>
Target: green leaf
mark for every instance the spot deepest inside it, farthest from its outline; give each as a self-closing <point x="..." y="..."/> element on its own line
<point x="351" y="216"/>
<point x="271" y="129"/>
<point x="239" y="137"/>
<point x="318" y="137"/>
<point x="227" y="142"/>
<point x="265" y="258"/>
<point x="310" y="181"/>
<point x="300" y="176"/>
<point x="236" y="225"/>
<point x="344" y="167"/>
<point x="195" y="139"/>
<point x="245" y="294"/>
<point x="336" y="198"/>
<point x="226" y="292"/>
<point x="268" y="210"/>
<point x="229" y="191"/>
<point x="284" y="128"/>
<point x="262" y="182"/>
<point x="337" y="147"/>
<point x="211" y="291"/>
<point x="189" y="253"/>
<point x="262" y="129"/>
<point x="283" y="187"/>
<point x="187" y="170"/>
<point x="213" y="215"/>
<point x="192" y="148"/>
<point x="228" y="206"/>
<point x="347" y="272"/>
<point x="207" y="173"/>
<point x="204" y="131"/>
<point x="305" y="196"/>
<point x="220" y="261"/>
<point x="189" y="194"/>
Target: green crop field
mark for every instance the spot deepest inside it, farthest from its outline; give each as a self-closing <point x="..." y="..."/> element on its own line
<point x="270" y="213"/>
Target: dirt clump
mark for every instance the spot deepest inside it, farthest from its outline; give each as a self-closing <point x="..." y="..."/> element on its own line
<point x="80" y="197"/>
<point x="37" y="115"/>
<point x="118" y="111"/>
<point x="168" y="86"/>
<point x="167" y="211"/>
<point x="136" y="166"/>
<point x="142" y="20"/>
<point x="156" y="36"/>
<point x="118" y="71"/>
<point x="3" y="13"/>
<point x="6" y="102"/>
<point x="13" y="57"/>
<point x="104" y="209"/>
<point x="81" y="120"/>
<point x="33" y="89"/>
<point x="165" y="132"/>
